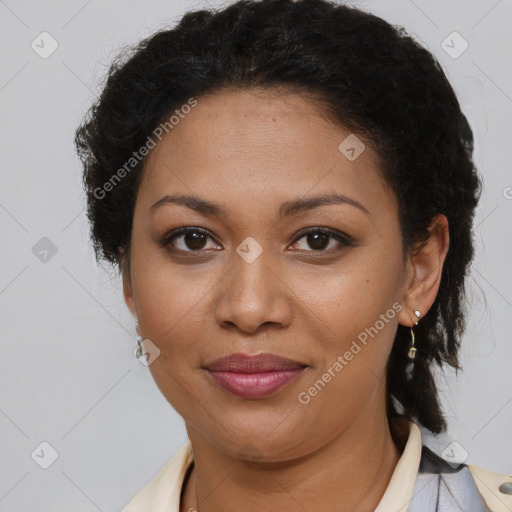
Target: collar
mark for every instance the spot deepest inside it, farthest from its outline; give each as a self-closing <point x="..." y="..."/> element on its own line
<point x="400" y="488"/>
<point x="162" y="493"/>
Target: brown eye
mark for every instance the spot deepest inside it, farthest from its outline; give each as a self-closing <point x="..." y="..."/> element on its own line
<point x="323" y="240"/>
<point x="189" y="240"/>
<point x="194" y="241"/>
<point x="318" y="241"/>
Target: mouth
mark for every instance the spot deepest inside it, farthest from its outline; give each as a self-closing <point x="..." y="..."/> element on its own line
<point x="254" y="377"/>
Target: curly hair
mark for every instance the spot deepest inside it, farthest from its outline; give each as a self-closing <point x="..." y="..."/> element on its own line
<point x="369" y="76"/>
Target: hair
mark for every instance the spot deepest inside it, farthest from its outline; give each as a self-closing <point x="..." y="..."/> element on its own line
<point x="369" y="76"/>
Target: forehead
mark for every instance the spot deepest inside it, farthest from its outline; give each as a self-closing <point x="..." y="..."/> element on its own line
<point x="254" y="144"/>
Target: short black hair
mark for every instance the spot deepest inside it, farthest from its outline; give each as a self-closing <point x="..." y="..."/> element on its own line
<point x="370" y="77"/>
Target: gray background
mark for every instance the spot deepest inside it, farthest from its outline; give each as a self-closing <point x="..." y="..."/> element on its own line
<point x="67" y="372"/>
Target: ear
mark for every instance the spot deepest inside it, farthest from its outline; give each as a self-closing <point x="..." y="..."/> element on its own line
<point x="127" y="282"/>
<point x="424" y="271"/>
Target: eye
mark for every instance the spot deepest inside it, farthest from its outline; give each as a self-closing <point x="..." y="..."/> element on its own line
<point x="323" y="239"/>
<point x="195" y="239"/>
<point x="189" y="239"/>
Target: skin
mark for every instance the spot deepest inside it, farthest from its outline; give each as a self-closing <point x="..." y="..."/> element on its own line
<point x="250" y="151"/>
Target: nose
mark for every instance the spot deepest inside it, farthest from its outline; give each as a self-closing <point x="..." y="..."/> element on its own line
<point x="252" y="297"/>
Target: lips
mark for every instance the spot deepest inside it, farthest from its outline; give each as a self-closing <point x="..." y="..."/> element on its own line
<point x="253" y="377"/>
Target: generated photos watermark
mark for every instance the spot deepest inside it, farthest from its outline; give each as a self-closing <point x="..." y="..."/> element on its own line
<point x="341" y="361"/>
<point x="138" y="156"/>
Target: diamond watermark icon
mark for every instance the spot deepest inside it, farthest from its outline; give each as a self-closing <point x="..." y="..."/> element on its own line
<point x="44" y="455"/>
<point x="44" y="250"/>
<point x="352" y="147"/>
<point x="44" y="45"/>
<point x="454" y="45"/>
<point x="147" y="352"/>
<point x="249" y="249"/>
<point x="454" y="454"/>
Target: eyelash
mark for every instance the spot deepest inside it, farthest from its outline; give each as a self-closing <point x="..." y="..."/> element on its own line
<point x="344" y="239"/>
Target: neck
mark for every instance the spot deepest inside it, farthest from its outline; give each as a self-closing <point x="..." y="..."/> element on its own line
<point x="350" y="473"/>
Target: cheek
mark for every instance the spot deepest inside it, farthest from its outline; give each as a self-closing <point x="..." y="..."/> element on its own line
<point x="351" y="374"/>
<point x="171" y="299"/>
<point x="351" y="296"/>
<point x="358" y="307"/>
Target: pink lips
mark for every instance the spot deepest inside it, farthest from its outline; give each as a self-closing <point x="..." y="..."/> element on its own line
<point x="253" y="377"/>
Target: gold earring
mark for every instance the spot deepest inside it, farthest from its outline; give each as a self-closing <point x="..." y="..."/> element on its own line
<point x="412" y="348"/>
<point x="140" y="348"/>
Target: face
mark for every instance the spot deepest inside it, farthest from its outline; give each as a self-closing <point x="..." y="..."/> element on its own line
<point x="249" y="264"/>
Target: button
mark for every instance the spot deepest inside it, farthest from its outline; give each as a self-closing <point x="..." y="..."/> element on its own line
<point x="506" y="488"/>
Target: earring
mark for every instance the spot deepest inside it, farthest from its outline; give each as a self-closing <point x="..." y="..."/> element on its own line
<point x="140" y="348"/>
<point x="412" y="348"/>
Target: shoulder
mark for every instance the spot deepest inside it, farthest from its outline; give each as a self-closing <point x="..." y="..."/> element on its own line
<point x="162" y="492"/>
<point x="495" y="488"/>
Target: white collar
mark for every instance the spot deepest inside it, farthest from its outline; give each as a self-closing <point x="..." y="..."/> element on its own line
<point x="399" y="491"/>
<point x="162" y="493"/>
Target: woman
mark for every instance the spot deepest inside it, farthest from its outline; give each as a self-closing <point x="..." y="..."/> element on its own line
<point x="288" y="190"/>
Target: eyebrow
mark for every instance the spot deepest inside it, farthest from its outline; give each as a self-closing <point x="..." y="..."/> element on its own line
<point x="286" y="209"/>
